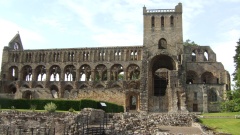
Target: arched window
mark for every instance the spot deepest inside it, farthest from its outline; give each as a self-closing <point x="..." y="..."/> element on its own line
<point x="193" y="56"/>
<point x="153" y="21"/>
<point x="171" y="21"/>
<point x="162" y="21"/>
<point x="191" y="77"/>
<point x="162" y="43"/>
<point x="207" y="77"/>
<point x="205" y="56"/>
<point x="212" y="96"/>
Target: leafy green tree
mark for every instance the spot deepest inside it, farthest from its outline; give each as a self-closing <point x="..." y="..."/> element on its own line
<point x="236" y="73"/>
<point x="188" y="42"/>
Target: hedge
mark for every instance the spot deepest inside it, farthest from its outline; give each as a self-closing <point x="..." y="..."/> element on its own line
<point x="64" y="105"/>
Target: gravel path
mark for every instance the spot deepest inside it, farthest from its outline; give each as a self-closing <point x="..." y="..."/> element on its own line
<point x="181" y="130"/>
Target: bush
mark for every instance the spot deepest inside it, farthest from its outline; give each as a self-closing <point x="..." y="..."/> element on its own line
<point x="71" y="110"/>
<point x="33" y="107"/>
<point x="50" y="107"/>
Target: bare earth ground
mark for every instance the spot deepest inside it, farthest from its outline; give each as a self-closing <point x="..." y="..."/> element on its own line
<point x="181" y="130"/>
<point x="195" y="129"/>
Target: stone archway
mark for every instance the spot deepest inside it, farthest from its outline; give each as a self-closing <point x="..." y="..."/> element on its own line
<point x="27" y="95"/>
<point x="160" y="94"/>
<point x="132" y="101"/>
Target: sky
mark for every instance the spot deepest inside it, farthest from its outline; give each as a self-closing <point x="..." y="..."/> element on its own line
<point x="45" y="24"/>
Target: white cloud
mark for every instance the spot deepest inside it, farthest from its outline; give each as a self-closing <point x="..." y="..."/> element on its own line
<point x="9" y="30"/>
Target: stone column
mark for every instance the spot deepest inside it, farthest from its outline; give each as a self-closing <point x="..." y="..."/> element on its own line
<point x="108" y="74"/>
<point x="205" y="99"/>
<point x="47" y="75"/>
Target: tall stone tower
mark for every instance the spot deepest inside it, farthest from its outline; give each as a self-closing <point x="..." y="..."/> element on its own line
<point x="162" y="60"/>
<point x="162" y="28"/>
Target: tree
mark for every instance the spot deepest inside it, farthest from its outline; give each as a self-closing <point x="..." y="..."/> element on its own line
<point x="236" y="73"/>
<point x="233" y="96"/>
<point x="188" y="42"/>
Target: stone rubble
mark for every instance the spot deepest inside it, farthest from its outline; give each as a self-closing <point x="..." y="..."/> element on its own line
<point x="119" y="123"/>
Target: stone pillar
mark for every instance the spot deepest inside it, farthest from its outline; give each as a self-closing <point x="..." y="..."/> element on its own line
<point x="205" y="103"/>
<point x="205" y="99"/>
<point x="108" y="74"/>
<point x="34" y="75"/>
<point x="93" y="75"/>
<point x="47" y="75"/>
<point x="62" y="75"/>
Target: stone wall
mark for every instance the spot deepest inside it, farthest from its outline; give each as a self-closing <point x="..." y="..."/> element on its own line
<point x="121" y="123"/>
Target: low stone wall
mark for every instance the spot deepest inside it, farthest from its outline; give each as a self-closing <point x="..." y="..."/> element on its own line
<point x="71" y="123"/>
<point x="143" y="123"/>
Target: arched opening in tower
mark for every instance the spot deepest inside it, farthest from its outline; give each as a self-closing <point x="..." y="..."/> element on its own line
<point x="161" y="67"/>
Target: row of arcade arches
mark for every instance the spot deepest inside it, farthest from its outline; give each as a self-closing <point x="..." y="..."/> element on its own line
<point x="71" y="73"/>
<point x="205" y="78"/>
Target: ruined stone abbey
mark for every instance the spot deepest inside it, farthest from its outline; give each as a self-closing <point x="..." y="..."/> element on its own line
<point x="162" y="75"/>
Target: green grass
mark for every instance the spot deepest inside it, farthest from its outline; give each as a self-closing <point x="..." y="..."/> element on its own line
<point x="222" y="114"/>
<point x="223" y="125"/>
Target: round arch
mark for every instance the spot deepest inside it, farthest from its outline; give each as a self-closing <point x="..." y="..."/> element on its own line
<point x="12" y="89"/>
<point x="207" y="77"/>
<point x="54" y="91"/>
<point x="191" y="77"/>
<point x="163" y="61"/>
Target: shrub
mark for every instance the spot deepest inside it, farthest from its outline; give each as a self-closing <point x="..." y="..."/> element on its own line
<point x="50" y="107"/>
<point x="33" y="107"/>
<point x="71" y="110"/>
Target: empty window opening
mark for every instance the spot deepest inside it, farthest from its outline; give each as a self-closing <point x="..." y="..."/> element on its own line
<point x="153" y="21"/>
<point x="191" y="77"/>
<point x="195" y="95"/>
<point x="160" y="85"/>
<point x="41" y="73"/>
<point x="41" y="77"/>
<point x="135" y="55"/>
<point x="133" y="72"/>
<point x="85" y="73"/>
<point x="207" y="78"/>
<point x="27" y="95"/>
<point x="205" y="56"/>
<point x="162" y="43"/>
<point x="162" y="21"/>
<point x="13" y="73"/>
<point x="195" y="107"/>
<point x="55" y="73"/>
<point x="132" y="55"/>
<point x="171" y="21"/>
<point x="16" y="46"/>
<point x="133" y="102"/>
<point x="27" y="73"/>
<point x="212" y="96"/>
<point x="83" y="77"/>
<point x="12" y="89"/>
<point x="86" y="56"/>
<point x="69" y="73"/>
<point x="193" y="56"/>
<point x="15" y="58"/>
<point x="117" y="72"/>
<point x="101" y="73"/>
<point x="178" y="100"/>
<point x="41" y="57"/>
<point x="54" y="91"/>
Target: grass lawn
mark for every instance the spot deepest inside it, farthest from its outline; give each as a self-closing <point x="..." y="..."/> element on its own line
<point x="223" y="125"/>
<point x="221" y="114"/>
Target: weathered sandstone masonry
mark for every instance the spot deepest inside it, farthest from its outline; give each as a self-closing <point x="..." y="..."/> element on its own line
<point x="162" y="75"/>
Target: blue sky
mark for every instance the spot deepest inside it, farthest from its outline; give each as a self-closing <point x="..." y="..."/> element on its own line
<point x="84" y="23"/>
